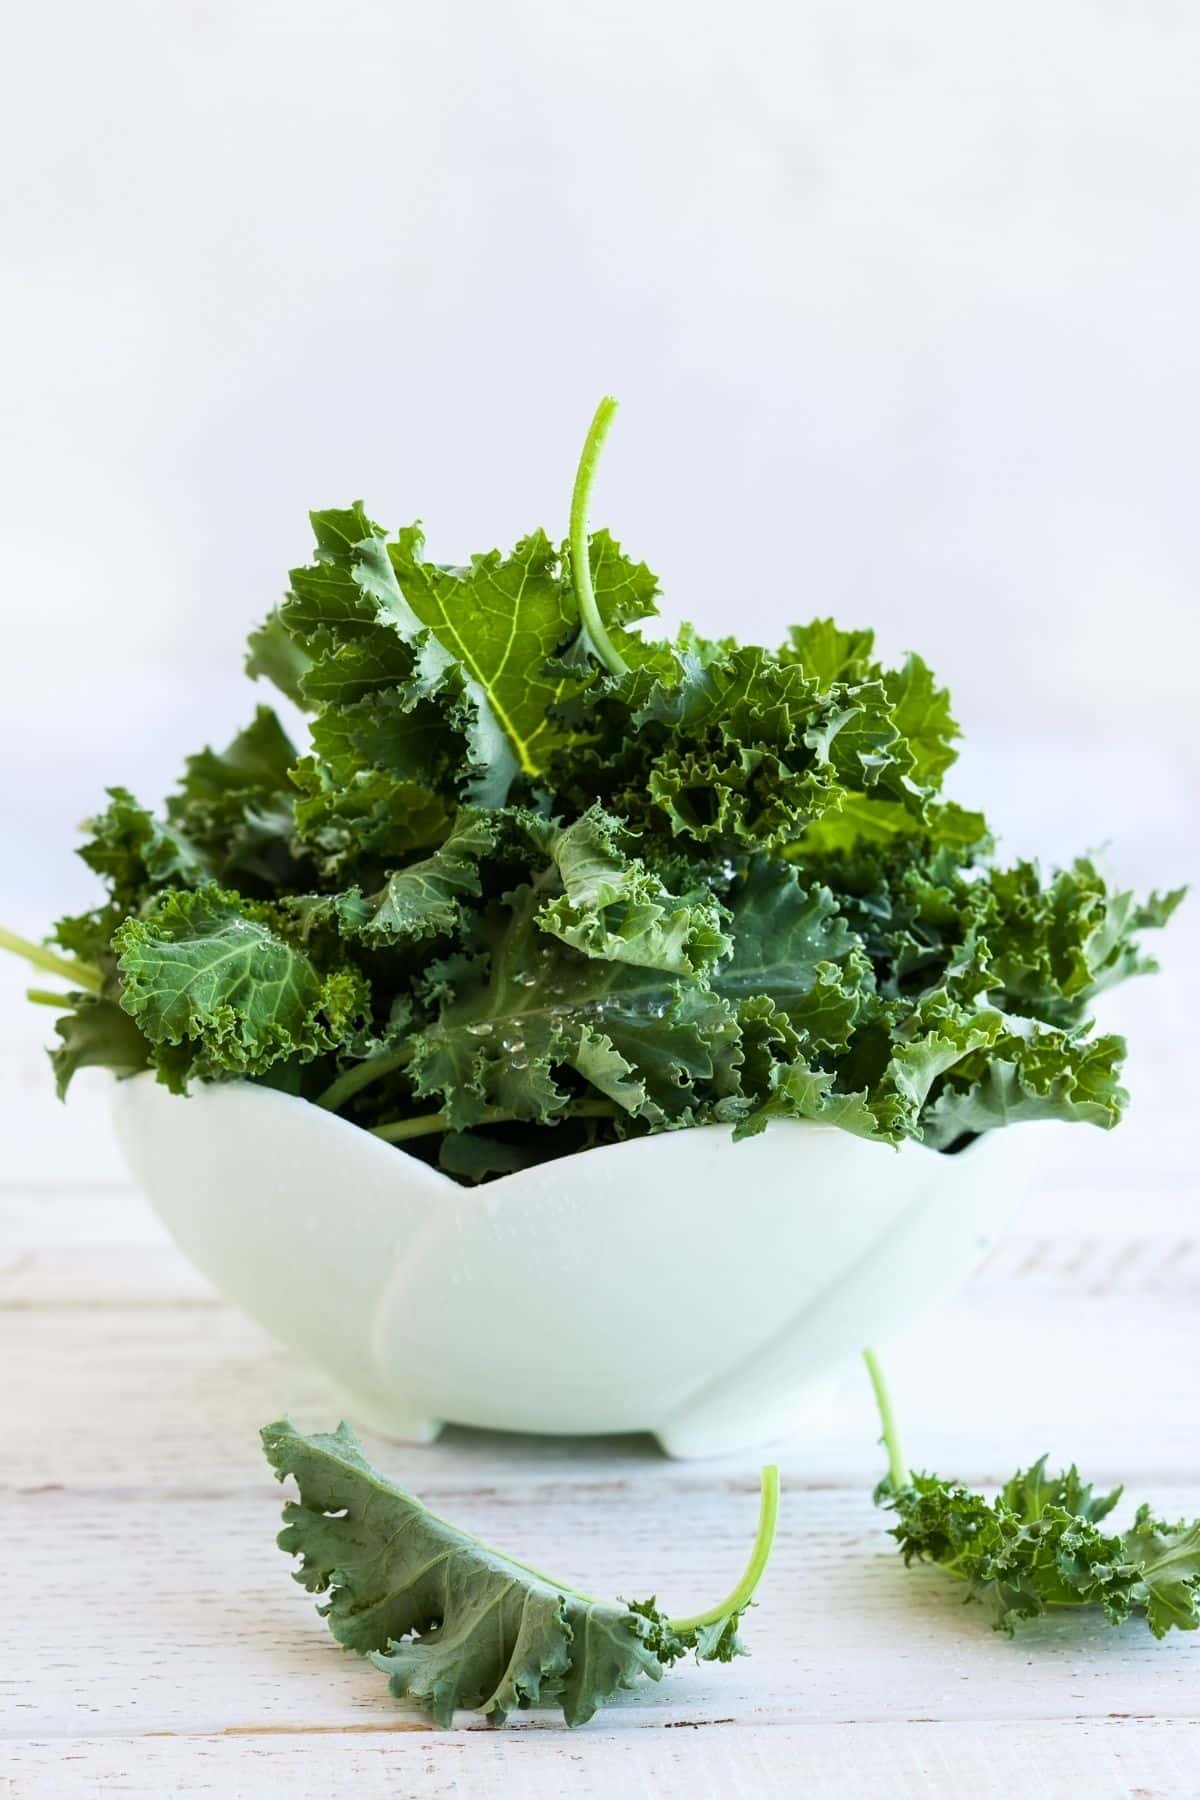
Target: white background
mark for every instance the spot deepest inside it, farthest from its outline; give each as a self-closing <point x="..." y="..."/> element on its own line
<point x="900" y="303"/>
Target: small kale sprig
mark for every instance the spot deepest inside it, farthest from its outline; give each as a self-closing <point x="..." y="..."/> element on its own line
<point x="456" y="1624"/>
<point x="1039" y="1545"/>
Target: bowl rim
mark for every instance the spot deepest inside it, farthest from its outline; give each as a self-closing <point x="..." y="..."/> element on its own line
<point x="487" y="1192"/>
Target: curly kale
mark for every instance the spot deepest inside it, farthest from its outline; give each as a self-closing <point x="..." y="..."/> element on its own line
<point x="536" y="881"/>
<point x="456" y="1624"/>
<point x="1039" y="1545"/>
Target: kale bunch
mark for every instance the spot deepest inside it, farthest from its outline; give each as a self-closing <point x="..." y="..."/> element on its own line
<point x="536" y="881"/>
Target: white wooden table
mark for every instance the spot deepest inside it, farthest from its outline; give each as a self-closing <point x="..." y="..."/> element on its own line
<point x="154" y="1644"/>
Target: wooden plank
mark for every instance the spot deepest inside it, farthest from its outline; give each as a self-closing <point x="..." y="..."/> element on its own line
<point x="168" y="1397"/>
<point x="141" y="1501"/>
<point x="186" y="1620"/>
<point x="1113" y="1759"/>
<point x="96" y="1277"/>
<point x="90" y="1243"/>
<point x="120" y="1262"/>
<point x="1138" y="1260"/>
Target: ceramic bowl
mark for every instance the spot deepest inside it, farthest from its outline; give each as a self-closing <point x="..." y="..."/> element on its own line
<point x="682" y="1284"/>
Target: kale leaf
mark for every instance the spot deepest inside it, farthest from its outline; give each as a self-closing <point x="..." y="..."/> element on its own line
<point x="1042" y="1543"/>
<point x="455" y="1624"/>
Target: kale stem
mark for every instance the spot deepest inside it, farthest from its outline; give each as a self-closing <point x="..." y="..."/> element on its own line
<point x="360" y="1075"/>
<point x="47" y="997"/>
<point x="898" y="1473"/>
<point x="738" y="1600"/>
<point x="425" y="1124"/>
<point x="768" y="1515"/>
<point x="81" y="973"/>
<point x="581" y="568"/>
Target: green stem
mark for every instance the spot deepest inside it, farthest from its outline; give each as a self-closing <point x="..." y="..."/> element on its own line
<point x="46" y="997"/>
<point x="360" y="1075"/>
<point x="81" y="973"/>
<point x="397" y="1130"/>
<point x="897" y="1467"/>
<point x="768" y="1516"/>
<point x="581" y="568"/>
<point x="425" y="1124"/>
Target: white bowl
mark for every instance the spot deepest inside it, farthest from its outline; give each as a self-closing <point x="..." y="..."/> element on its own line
<point x="682" y="1284"/>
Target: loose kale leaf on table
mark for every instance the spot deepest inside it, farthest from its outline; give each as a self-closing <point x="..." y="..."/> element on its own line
<point x="1041" y="1545"/>
<point x="455" y="1624"/>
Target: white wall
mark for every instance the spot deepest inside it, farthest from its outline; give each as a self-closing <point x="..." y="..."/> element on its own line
<point x="901" y="303"/>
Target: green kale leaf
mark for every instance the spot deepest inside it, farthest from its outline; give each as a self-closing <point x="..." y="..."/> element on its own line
<point x="615" y="909"/>
<point x="206" y="970"/>
<point x="96" y="1034"/>
<point x="1041" y="1543"/>
<point x="455" y="1624"/>
<point x="425" y="898"/>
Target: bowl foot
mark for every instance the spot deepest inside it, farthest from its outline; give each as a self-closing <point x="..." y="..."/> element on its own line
<point x="715" y="1429"/>
<point x="388" y="1418"/>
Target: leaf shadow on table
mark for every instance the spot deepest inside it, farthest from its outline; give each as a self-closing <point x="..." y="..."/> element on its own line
<point x="927" y="1606"/>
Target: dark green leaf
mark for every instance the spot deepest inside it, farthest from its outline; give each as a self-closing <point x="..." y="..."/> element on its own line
<point x="568" y="903"/>
<point x="96" y="1034"/>
<point x="426" y="898"/>
<point x="1039" y="1544"/>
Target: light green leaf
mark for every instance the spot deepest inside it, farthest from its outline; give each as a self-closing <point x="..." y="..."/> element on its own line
<point x="1047" y="1076"/>
<point x="830" y="655"/>
<point x="426" y="898"/>
<point x="275" y="655"/>
<point x="799" y="1091"/>
<point x="201" y="969"/>
<point x="615" y="908"/>
<point x="1167" y="1559"/>
<point x="935" y="1038"/>
<point x="452" y="1622"/>
<point x="921" y="713"/>
<point x="869" y="819"/>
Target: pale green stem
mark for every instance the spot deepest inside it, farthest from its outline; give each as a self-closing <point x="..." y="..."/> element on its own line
<point x="425" y="1124"/>
<point x="581" y="568"/>
<point x="360" y="1075"/>
<point x="897" y="1467"/>
<point x="768" y="1515"/>
<point x="81" y="973"/>
<point x="47" y="997"/>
